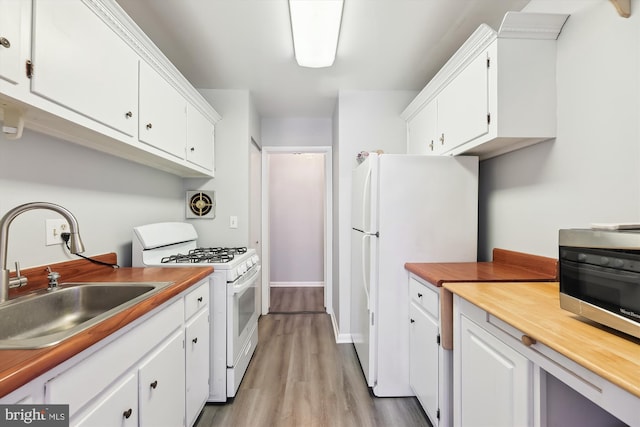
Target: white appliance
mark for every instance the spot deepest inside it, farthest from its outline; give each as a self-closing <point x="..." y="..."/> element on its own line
<point x="405" y="208"/>
<point x="234" y="290"/>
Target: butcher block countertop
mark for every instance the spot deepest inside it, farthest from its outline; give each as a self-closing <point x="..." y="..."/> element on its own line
<point x="507" y="266"/>
<point x="534" y="309"/>
<point x="18" y="367"/>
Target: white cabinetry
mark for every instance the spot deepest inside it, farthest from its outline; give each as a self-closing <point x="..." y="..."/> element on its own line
<point x="197" y="351"/>
<point x="200" y="139"/>
<point x="145" y="374"/>
<point x="429" y="363"/>
<point x="161" y="379"/>
<point x="502" y="377"/>
<point x="496" y="94"/>
<point x="97" y="80"/>
<point x="117" y="407"/>
<point x="14" y="43"/>
<point x="422" y="130"/>
<point x="82" y="65"/>
<point x="163" y="121"/>
<point x="495" y="382"/>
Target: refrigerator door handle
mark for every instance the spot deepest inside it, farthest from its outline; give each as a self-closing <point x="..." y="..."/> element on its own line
<point x="367" y="183"/>
<point x="365" y="285"/>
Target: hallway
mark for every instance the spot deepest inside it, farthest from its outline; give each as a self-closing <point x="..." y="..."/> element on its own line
<point x="300" y="377"/>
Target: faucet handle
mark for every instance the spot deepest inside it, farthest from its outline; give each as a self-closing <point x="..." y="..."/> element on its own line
<point x="53" y="277"/>
<point x="18" y="281"/>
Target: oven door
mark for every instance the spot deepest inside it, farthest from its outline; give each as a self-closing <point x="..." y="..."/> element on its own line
<point x="242" y="312"/>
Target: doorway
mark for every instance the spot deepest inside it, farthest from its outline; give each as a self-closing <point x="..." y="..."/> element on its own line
<point x="296" y="229"/>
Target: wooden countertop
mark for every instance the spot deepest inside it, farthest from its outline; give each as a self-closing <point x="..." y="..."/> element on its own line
<point x="18" y="367"/>
<point x="534" y="309"/>
<point x="506" y="266"/>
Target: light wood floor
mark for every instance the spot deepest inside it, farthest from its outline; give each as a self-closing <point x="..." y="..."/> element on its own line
<point x="300" y="377"/>
<point x="297" y="300"/>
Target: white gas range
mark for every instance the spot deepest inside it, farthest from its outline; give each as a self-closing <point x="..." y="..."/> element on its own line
<point x="234" y="290"/>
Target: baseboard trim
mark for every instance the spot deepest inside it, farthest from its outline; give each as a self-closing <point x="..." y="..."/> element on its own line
<point x="296" y="284"/>
<point x="340" y="338"/>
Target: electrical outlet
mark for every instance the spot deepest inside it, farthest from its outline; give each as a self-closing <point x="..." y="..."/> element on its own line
<point x="233" y="222"/>
<point x="54" y="228"/>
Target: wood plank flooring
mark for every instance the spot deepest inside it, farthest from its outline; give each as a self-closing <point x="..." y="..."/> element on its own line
<point x="299" y="376"/>
<point x="297" y="300"/>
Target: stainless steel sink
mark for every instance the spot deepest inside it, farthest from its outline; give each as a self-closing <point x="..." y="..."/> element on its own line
<point x="47" y="317"/>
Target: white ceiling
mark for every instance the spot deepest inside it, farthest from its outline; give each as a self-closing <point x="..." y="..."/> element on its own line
<point x="246" y="44"/>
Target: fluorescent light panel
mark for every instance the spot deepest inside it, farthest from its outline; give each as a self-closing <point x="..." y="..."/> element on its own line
<point x="316" y="26"/>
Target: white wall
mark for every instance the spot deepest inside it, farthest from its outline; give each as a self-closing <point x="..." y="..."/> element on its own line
<point x="296" y="132"/>
<point x="591" y="171"/>
<point x="108" y="196"/>
<point x="231" y="181"/>
<point x="367" y="120"/>
<point x="296" y="215"/>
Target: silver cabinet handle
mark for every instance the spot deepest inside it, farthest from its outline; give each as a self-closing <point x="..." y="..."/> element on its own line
<point x="127" y="413"/>
<point x="154" y="384"/>
<point x="149" y="125"/>
<point x="5" y="42"/>
<point x="442" y="139"/>
<point x="195" y="340"/>
<point x="128" y="114"/>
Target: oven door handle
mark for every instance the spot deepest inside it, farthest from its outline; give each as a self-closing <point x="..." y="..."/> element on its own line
<point x="244" y="284"/>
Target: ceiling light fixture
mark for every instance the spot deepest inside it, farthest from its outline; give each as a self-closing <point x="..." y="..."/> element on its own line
<point x="315" y="25"/>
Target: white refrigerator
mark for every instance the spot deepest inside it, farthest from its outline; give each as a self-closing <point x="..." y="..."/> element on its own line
<point x="405" y="208"/>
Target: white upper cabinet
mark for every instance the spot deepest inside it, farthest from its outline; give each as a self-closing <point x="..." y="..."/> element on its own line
<point x="94" y="78"/>
<point x="463" y="106"/>
<point x="14" y="29"/>
<point x="163" y="117"/>
<point x="81" y="64"/>
<point x="200" y="139"/>
<point x="496" y="94"/>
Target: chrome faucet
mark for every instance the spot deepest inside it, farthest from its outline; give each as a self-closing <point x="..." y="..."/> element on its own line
<point x="75" y="243"/>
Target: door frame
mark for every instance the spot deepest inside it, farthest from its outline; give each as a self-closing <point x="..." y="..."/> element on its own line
<point x="328" y="220"/>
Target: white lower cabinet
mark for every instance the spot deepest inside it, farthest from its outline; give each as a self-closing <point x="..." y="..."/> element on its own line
<point x="495" y="382"/>
<point x="146" y="374"/>
<point x="118" y="406"/>
<point x="423" y="360"/>
<point x="197" y="359"/>
<point x="502" y="377"/>
<point x="429" y="362"/>
<point x="161" y="379"/>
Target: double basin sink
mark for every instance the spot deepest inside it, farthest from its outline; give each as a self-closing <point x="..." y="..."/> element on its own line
<point x="47" y="317"/>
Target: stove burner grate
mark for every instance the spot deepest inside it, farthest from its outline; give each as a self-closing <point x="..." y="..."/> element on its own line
<point x="205" y="255"/>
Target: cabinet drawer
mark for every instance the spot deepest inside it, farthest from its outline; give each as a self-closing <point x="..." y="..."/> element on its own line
<point x="196" y="299"/>
<point x="112" y="361"/>
<point x="426" y="296"/>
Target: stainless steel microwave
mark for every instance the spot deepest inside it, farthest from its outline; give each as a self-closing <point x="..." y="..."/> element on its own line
<point x="600" y="276"/>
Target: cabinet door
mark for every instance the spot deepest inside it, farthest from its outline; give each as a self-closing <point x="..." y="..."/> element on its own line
<point x="495" y="381"/>
<point x="14" y="28"/>
<point x="423" y="360"/>
<point x="463" y="105"/>
<point x="163" y="121"/>
<point x="197" y="369"/>
<point x="81" y="64"/>
<point x="200" y="137"/>
<point x="161" y="385"/>
<point x="422" y="138"/>
<point x="118" y="407"/>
